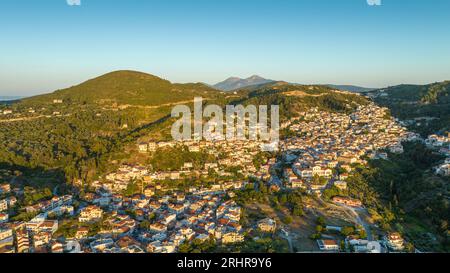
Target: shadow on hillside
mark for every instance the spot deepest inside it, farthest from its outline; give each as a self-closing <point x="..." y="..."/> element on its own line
<point x="39" y="177"/>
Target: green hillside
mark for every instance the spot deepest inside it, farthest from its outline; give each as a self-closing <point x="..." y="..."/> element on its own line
<point x="410" y="102"/>
<point x="125" y="87"/>
<point x="83" y="135"/>
<point x="293" y="99"/>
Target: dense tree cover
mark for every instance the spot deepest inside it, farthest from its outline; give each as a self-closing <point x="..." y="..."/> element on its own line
<point x="264" y="245"/>
<point x="331" y="192"/>
<point x="357" y="232"/>
<point x="68" y="228"/>
<point x="290" y="105"/>
<point x="94" y="124"/>
<point x="292" y="200"/>
<point x="437" y="92"/>
<point x="126" y="88"/>
<point x="57" y="143"/>
<point x="100" y="119"/>
<point x="416" y="101"/>
<point x="404" y="190"/>
<point x="80" y="144"/>
<point x="260" y="158"/>
<point x="31" y="195"/>
<point x="198" y="246"/>
<point x="171" y="159"/>
<point x="252" y="193"/>
<point x="133" y="188"/>
<point x="260" y="192"/>
<point x="319" y="180"/>
<point x="24" y="216"/>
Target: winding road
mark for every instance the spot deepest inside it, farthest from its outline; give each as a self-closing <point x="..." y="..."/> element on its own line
<point x="359" y="219"/>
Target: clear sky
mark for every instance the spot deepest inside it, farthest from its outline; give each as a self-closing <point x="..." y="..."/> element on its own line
<point x="47" y="44"/>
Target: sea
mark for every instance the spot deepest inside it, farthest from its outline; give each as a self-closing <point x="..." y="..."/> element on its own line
<point x="9" y="98"/>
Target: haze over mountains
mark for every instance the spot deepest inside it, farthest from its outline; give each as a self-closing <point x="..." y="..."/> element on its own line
<point x="127" y="87"/>
<point x="135" y="88"/>
<point x="235" y="83"/>
<point x="351" y="88"/>
<point x="148" y="83"/>
<point x="429" y="103"/>
<point x="9" y="98"/>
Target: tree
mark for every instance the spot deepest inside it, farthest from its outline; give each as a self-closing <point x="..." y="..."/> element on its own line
<point x="185" y="248"/>
<point x="319" y="229"/>
<point x="287" y="220"/>
<point x="331" y="192"/>
<point x="409" y="247"/>
<point x="144" y="224"/>
<point x="297" y="211"/>
<point x="320" y="221"/>
<point x="346" y="231"/>
<point x="283" y="199"/>
<point x="362" y="234"/>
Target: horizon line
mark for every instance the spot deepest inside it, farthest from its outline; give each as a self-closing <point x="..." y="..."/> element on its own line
<point x="20" y="94"/>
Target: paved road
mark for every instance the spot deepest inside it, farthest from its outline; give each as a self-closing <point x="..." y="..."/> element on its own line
<point x="21" y="119"/>
<point x="288" y="238"/>
<point x="357" y="212"/>
<point x="55" y="190"/>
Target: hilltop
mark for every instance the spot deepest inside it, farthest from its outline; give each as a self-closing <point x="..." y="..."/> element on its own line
<point x="429" y="103"/>
<point x="236" y="83"/>
<point x="125" y="87"/>
<point x="294" y="99"/>
<point x="434" y="93"/>
<point x="351" y="88"/>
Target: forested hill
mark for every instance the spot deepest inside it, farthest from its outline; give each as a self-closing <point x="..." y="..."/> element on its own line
<point x="81" y="130"/>
<point x="125" y="87"/>
<point x="427" y="103"/>
<point x="430" y="93"/>
<point x="351" y="88"/>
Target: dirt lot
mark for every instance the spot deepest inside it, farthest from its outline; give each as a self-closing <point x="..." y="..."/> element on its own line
<point x="303" y="227"/>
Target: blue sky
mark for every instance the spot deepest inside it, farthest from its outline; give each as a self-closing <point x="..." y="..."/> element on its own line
<point x="46" y="44"/>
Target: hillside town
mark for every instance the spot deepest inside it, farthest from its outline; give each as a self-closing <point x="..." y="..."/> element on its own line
<point x="319" y="153"/>
<point x="325" y="142"/>
<point x="442" y="145"/>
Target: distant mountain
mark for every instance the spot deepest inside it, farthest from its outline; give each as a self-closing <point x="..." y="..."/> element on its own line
<point x="351" y="88"/>
<point x="234" y="83"/>
<point x="127" y="87"/>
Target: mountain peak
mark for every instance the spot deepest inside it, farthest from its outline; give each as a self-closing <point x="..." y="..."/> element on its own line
<point x="126" y="87"/>
<point x="124" y="74"/>
<point x="234" y="83"/>
<point x="255" y="77"/>
<point x="233" y="79"/>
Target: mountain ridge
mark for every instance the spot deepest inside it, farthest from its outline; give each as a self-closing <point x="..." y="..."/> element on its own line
<point x="234" y="83"/>
<point x="351" y="88"/>
<point x="410" y="102"/>
<point x="126" y="87"/>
